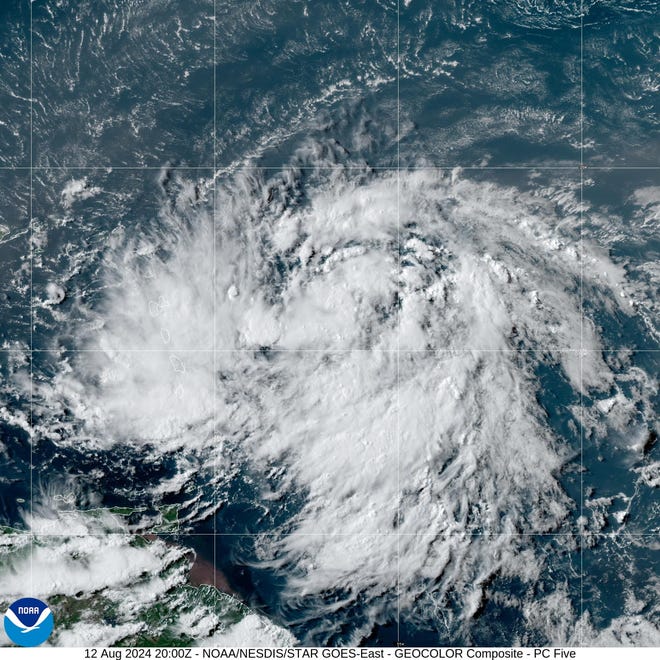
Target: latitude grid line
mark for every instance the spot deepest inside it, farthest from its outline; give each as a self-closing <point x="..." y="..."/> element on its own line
<point x="361" y="168"/>
<point x="575" y="535"/>
<point x="331" y="350"/>
<point x="32" y="168"/>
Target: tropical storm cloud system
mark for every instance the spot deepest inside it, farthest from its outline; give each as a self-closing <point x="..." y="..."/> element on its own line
<point x="331" y="322"/>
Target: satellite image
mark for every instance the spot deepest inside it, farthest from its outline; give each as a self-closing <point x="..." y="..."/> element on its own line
<point x="330" y="322"/>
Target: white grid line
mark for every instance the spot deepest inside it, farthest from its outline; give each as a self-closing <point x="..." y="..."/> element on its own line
<point x="31" y="314"/>
<point x="214" y="293"/>
<point x="338" y="350"/>
<point x="398" y="327"/>
<point x="581" y="223"/>
<point x="321" y="168"/>
<point x="147" y="532"/>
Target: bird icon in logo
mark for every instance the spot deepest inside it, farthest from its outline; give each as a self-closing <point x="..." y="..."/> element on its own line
<point x="25" y="629"/>
<point x="28" y="622"/>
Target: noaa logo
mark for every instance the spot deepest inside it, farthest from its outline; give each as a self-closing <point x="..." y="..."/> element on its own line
<point x="28" y="622"/>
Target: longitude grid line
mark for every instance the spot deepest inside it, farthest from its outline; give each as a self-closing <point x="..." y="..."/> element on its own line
<point x="581" y="623"/>
<point x="398" y="334"/>
<point x="213" y="293"/>
<point x="31" y="322"/>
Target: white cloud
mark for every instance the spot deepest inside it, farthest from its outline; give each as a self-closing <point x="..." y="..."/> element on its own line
<point x="84" y="568"/>
<point x="77" y="189"/>
<point x="461" y="446"/>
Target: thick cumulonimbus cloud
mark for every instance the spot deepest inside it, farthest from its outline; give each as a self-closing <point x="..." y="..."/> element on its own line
<point x="377" y="340"/>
